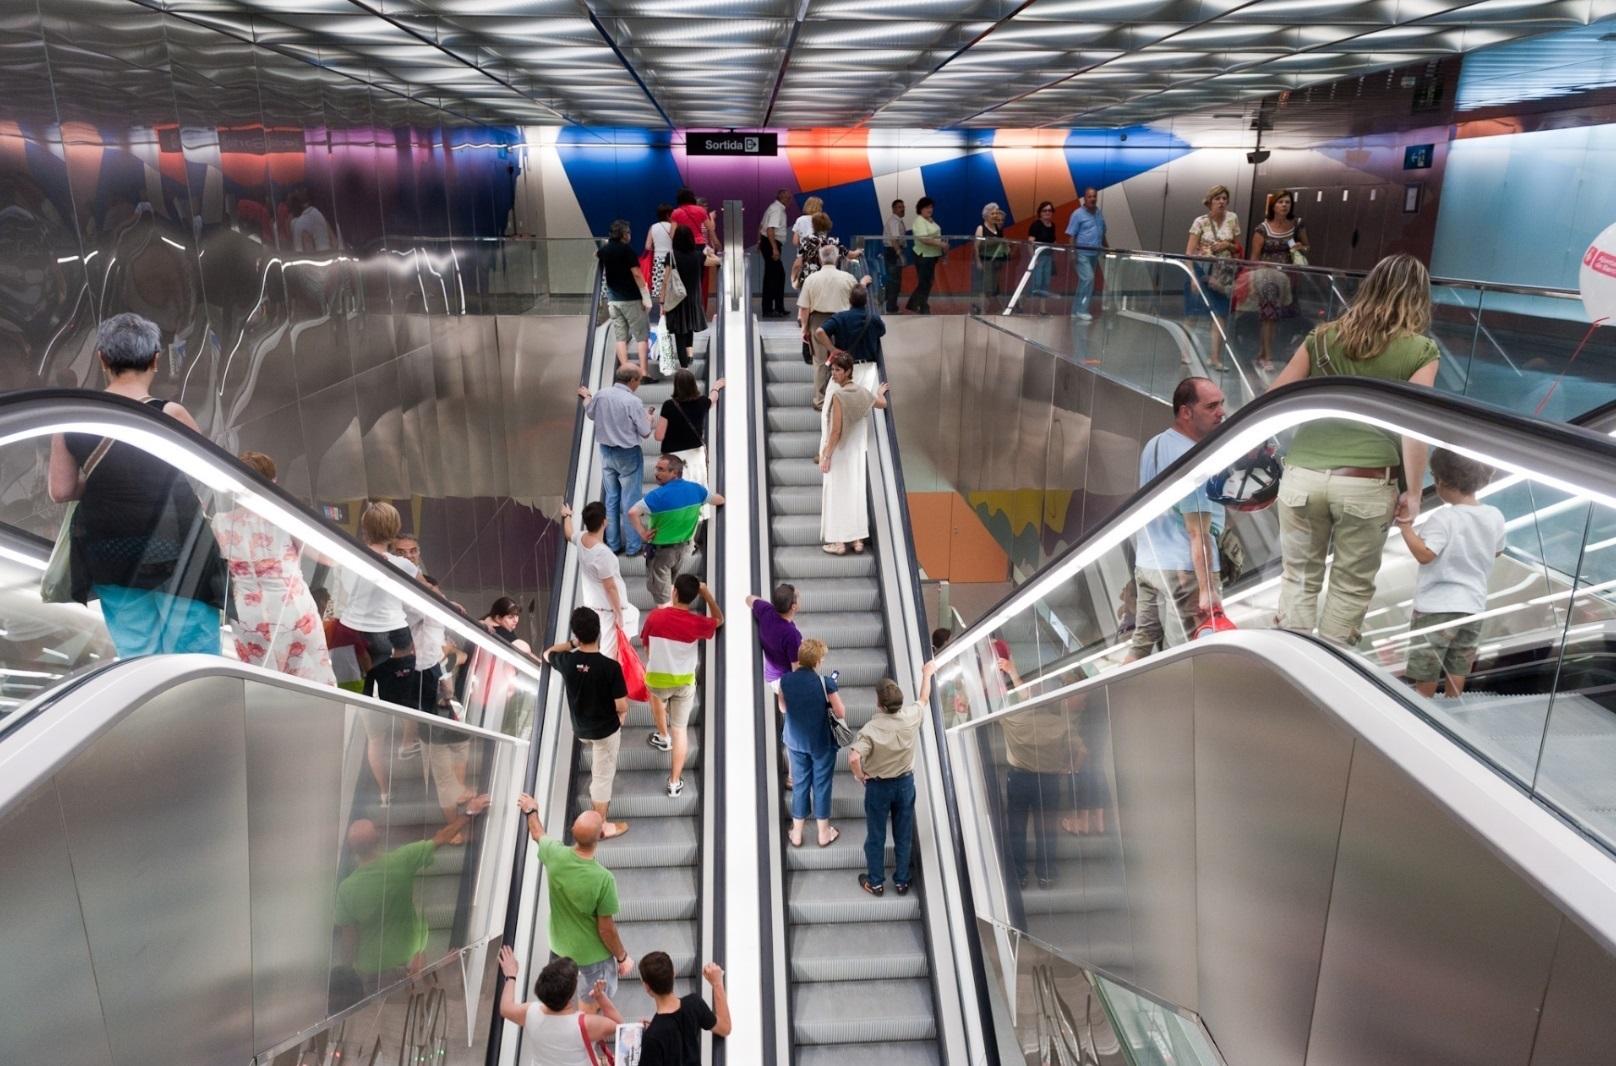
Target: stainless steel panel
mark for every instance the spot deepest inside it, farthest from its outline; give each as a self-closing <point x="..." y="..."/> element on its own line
<point x="46" y="972"/>
<point x="1115" y="440"/>
<point x="1270" y="781"/>
<point x="540" y="361"/>
<point x="1153" y="735"/>
<point x="294" y="834"/>
<point x="1066" y="458"/>
<point x="156" y="813"/>
<point x="1430" y="935"/>
<point x="1578" y="1025"/>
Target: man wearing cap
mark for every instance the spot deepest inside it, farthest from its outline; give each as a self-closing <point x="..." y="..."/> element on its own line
<point x="882" y="758"/>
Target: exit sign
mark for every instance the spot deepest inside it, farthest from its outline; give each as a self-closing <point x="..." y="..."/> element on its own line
<point x="1418" y="156"/>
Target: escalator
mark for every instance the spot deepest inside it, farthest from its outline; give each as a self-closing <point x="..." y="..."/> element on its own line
<point x="869" y="978"/>
<point x="212" y="861"/>
<point x="1293" y="847"/>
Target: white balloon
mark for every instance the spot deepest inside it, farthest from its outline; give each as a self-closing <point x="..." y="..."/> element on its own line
<point x="1598" y="277"/>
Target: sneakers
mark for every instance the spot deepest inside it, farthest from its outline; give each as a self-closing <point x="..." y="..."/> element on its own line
<point x="675" y="788"/>
<point x="659" y="741"/>
<point x="872" y="889"/>
<point x="1083" y="316"/>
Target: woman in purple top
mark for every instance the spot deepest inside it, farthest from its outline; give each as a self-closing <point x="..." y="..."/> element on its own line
<point x="777" y="632"/>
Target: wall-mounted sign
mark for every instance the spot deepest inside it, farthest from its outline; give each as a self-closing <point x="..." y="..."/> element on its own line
<point x="1598" y="277"/>
<point x="732" y="144"/>
<point x="1418" y="156"/>
<point x="1411" y="197"/>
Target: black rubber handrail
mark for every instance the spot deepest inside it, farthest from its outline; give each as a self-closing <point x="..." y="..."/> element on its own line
<point x="717" y="537"/>
<point x="496" y="1030"/>
<point x="899" y="496"/>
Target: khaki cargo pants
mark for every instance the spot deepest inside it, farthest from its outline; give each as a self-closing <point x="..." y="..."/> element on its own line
<point x="1342" y="520"/>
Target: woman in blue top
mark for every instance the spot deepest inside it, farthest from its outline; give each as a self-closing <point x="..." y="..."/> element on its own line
<point x="805" y="696"/>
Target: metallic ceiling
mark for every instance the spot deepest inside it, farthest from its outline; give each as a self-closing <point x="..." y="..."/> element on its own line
<point x="894" y="63"/>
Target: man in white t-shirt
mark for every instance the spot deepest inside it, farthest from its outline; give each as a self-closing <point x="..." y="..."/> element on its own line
<point x="602" y="589"/>
<point x="672" y="639"/>
<point x="310" y="231"/>
<point x="1176" y="554"/>
<point x="771" y="246"/>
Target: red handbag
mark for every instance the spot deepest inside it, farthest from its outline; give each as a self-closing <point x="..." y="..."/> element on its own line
<point x="633" y="669"/>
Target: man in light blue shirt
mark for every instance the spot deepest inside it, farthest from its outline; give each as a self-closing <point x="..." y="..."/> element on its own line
<point x="621" y="422"/>
<point x="1176" y="555"/>
<point x="1087" y="230"/>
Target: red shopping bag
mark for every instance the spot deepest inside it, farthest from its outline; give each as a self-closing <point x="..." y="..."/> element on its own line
<point x="633" y="669"/>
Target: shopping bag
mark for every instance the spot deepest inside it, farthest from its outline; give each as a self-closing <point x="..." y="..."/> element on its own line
<point x="667" y="354"/>
<point x="633" y="669"/>
<point x="673" y="288"/>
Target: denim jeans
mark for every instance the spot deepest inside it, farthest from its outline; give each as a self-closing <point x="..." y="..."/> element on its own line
<point x="1038" y="284"/>
<point x="892" y="797"/>
<point x="622" y="475"/>
<point x="1085" y="283"/>
<point x="810" y="772"/>
<point x="1038" y="796"/>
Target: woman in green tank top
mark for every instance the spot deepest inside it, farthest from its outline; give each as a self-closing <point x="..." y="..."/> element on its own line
<point x="1339" y="493"/>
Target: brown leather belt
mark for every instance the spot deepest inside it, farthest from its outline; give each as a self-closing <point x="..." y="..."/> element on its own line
<point x="1364" y="471"/>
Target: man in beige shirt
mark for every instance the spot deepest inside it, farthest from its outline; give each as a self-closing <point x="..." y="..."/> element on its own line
<point x="824" y="292"/>
<point x="883" y="761"/>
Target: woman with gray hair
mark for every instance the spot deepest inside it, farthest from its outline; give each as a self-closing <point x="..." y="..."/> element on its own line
<point x="992" y="253"/>
<point x="141" y="544"/>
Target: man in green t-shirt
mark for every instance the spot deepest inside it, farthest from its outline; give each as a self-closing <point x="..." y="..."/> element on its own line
<point x="583" y="899"/>
<point x="383" y="933"/>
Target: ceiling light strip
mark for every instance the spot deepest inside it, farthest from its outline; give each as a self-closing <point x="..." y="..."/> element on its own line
<point x="600" y="28"/>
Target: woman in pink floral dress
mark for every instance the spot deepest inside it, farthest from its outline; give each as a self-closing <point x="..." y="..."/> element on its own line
<point x="277" y="624"/>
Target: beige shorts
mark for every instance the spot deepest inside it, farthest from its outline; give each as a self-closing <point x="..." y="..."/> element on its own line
<point x="630" y="320"/>
<point x="679" y="702"/>
<point x="603" y="767"/>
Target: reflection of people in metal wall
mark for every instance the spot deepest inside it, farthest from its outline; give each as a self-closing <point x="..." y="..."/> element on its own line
<point x="1043" y="751"/>
<point x="382" y="931"/>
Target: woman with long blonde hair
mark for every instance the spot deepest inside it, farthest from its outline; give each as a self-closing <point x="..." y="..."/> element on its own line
<point x="804" y="225"/>
<point x="1340" y="491"/>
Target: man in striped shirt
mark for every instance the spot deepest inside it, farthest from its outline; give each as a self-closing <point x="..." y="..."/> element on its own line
<point x="667" y="519"/>
<point x="672" y="637"/>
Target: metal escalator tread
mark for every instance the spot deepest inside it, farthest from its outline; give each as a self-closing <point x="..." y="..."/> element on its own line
<point x="860" y="977"/>
<point x="657" y="863"/>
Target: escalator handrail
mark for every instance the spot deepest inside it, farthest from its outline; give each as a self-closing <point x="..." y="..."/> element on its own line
<point x="717" y="538"/>
<point x="900" y="498"/>
<point x="1579" y="458"/>
<point x="37" y="413"/>
<point x="552" y="624"/>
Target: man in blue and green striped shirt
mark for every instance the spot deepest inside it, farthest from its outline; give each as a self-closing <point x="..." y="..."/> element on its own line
<point x="667" y="519"/>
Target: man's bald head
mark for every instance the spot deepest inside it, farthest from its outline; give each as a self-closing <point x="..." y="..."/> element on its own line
<point x="363" y="837"/>
<point x="586" y="829"/>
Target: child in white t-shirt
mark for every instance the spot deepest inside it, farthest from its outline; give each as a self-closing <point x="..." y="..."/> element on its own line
<point x="1455" y="548"/>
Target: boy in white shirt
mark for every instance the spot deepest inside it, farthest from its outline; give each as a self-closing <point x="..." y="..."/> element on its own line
<point x="1455" y="548"/>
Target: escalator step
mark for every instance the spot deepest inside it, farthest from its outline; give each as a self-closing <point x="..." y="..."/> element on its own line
<point x="678" y="939"/>
<point x="836" y="594"/>
<point x="790" y="394"/>
<point x="793" y="420"/>
<point x="669" y="842"/>
<point x="786" y="472"/>
<point x="896" y="1053"/>
<point x="803" y="444"/>
<point x="834" y="897"/>
<point x="635" y="754"/>
<point x="663" y="894"/>
<point x="846" y="801"/>
<point x="847" y="1012"/>
<point x="849" y="629"/>
<point x="792" y="564"/>
<point x="643" y="794"/>
<point x="780" y="371"/>
<point x="848" y="851"/>
<point x="796" y="499"/>
<point x="865" y="951"/>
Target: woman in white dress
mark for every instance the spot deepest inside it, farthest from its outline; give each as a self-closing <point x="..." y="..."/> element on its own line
<point x="277" y="624"/>
<point x="843" y="443"/>
<point x="601" y="587"/>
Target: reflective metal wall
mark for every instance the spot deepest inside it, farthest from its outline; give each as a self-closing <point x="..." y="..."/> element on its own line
<point x="212" y="875"/>
<point x="323" y="253"/>
<point x="1205" y="831"/>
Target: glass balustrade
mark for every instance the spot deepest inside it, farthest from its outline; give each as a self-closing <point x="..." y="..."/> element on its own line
<point x="1155" y="318"/>
<point x="1515" y="660"/>
<point x="171" y="547"/>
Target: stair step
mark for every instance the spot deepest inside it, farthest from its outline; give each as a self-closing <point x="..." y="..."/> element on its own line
<point x="892" y="1053"/>
<point x="847" y="854"/>
<point x="834" y="897"/>
<point x="679" y="939"/>
<point x="790" y="394"/>
<point x="655" y="894"/>
<point x="669" y="842"/>
<point x="850" y="1012"/>
<point x="782" y="371"/>
<point x="794" y="563"/>
<point x="802" y="419"/>
<point x="862" y="951"/>
<point x="643" y="794"/>
<point x="849" y="629"/>
<point x="796" y="499"/>
<point x="795" y="472"/>
<point x="634" y="754"/>
<point x="834" y="593"/>
<point x="794" y="530"/>
<point x="802" y="444"/>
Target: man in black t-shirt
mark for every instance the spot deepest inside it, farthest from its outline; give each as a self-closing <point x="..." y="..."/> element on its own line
<point x="598" y="696"/>
<point x="628" y="296"/>
<point x="673" y="1037"/>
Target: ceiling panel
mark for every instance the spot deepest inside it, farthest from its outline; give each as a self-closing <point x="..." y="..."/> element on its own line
<point x="939" y="63"/>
